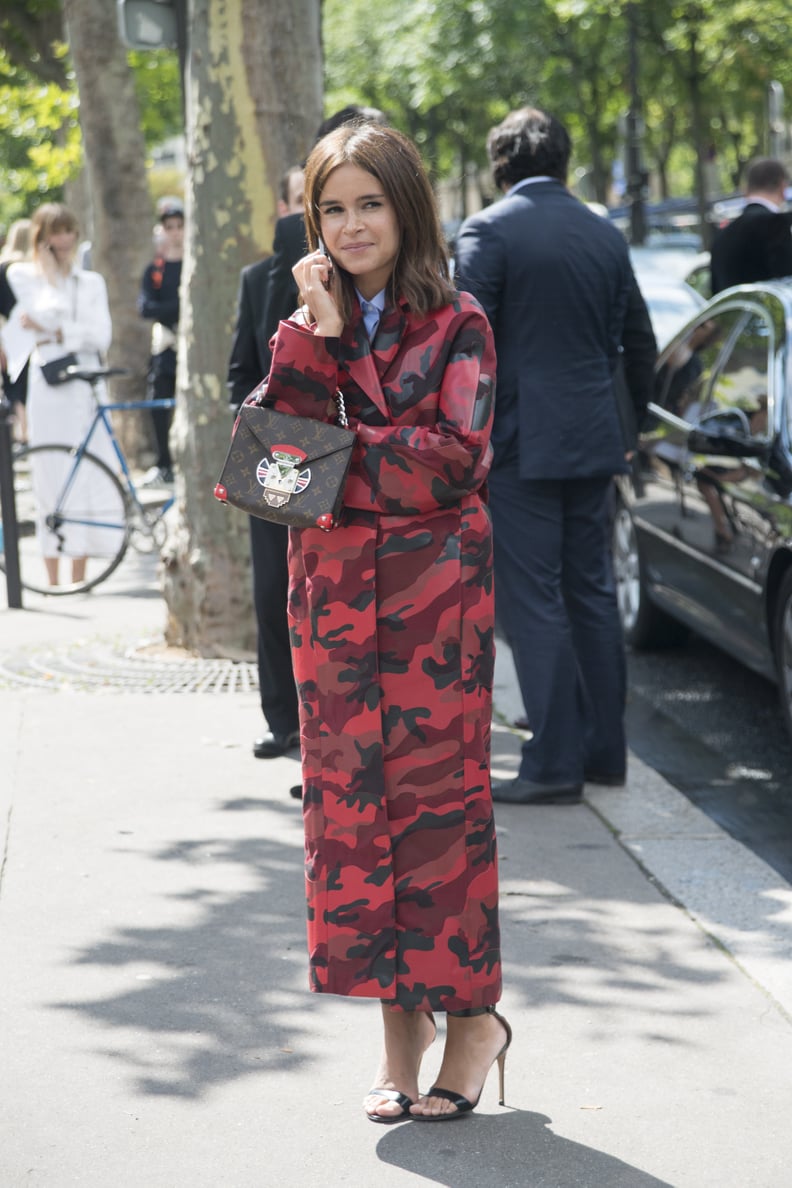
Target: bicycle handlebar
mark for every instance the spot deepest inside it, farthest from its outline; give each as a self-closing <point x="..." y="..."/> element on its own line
<point x="92" y="374"/>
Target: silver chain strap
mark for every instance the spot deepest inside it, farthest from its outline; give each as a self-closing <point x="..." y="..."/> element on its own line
<point x="342" y="416"/>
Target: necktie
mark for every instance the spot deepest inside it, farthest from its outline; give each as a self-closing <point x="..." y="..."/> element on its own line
<point x="371" y="317"/>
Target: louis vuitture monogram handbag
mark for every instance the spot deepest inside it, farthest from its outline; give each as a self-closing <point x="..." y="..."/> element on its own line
<point x="291" y="470"/>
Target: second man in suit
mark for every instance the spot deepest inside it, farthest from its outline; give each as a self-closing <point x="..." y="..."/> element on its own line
<point x="758" y="244"/>
<point x="556" y="282"/>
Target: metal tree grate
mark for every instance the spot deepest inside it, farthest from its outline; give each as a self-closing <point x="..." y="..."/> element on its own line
<point x="97" y="666"/>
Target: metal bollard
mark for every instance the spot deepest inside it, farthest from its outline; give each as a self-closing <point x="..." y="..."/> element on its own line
<point x="8" y="509"/>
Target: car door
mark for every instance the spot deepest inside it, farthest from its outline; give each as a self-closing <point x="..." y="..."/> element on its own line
<point x="726" y="528"/>
<point x="663" y="508"/>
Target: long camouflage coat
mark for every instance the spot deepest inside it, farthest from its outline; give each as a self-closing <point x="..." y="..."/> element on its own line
<point x="391" y="618"/>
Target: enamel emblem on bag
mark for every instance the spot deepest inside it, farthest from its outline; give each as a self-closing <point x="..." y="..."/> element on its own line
<point x="281" y="478"/>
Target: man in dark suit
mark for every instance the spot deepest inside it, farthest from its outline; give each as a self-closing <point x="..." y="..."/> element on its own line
<point x="556" y="282"/>
<point x="758" y="244"/>
<point x="248" y="365"/>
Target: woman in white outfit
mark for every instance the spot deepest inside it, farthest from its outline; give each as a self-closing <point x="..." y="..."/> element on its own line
<point x="66" y="309"/>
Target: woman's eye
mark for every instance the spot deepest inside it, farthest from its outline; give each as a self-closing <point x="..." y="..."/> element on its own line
<point x="331" y="210"/>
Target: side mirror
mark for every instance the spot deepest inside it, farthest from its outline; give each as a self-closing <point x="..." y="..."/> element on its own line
<point x="730" y="443"/>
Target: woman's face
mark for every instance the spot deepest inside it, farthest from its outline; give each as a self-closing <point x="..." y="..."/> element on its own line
<point x="62" y="244"/>
<point x="359" y="227"/>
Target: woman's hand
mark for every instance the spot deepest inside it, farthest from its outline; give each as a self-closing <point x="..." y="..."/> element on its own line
<point x="27" y="323"/>
<point x="316" y="284"/>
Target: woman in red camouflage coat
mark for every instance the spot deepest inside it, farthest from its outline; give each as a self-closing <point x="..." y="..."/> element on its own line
<point x="391" y="618"/>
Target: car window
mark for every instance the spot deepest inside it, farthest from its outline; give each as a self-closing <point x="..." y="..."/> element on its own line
<point x="686" y="371"/>
<point x="740" y="384"/>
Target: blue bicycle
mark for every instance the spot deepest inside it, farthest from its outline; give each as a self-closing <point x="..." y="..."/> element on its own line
<point x="97" y="513"/>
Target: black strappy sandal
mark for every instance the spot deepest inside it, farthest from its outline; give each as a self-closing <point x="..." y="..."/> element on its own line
<point x="391" y="1095"/>
<point x="394" y="1095"/>
<point x="463" y="1105"/>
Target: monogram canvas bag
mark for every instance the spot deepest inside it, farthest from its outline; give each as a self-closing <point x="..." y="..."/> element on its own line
<point x="291" y="470"/>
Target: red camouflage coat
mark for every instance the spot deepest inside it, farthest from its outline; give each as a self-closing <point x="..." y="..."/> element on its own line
<point x="392" y="626"/>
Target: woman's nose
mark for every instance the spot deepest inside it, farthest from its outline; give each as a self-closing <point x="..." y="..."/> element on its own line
<point x="352" y="220"/>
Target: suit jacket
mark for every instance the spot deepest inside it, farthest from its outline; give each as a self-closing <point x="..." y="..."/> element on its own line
<point x="555" y="280"/>
<point x="250" y="353"/>
<point x="756" y="246"/>
<point x="288" y="247"/>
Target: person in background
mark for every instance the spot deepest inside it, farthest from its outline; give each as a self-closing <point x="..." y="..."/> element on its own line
<point x="249" y="363"/>
<point x="15" y="248"/>
<point x="392" y="624"/>
<point x="158" y="301"/>
<point x="66" y="309"/>
<point x="556" y="283"/>
<point x="758" y="244"/>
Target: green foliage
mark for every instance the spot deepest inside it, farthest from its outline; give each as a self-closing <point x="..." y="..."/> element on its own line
<point x="159" y="93"/>
<point x="40" y="139"/>
<point x="447" y="70"/>
<point x="40" y="143"/>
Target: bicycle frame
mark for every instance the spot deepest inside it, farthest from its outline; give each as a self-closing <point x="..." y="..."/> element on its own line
<point x="101" y="414"/>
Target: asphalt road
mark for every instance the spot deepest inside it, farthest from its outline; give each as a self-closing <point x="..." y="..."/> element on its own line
<point x="713" y="729"/>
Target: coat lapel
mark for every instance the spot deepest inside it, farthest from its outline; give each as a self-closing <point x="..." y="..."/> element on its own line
<point x="365" y="363"/>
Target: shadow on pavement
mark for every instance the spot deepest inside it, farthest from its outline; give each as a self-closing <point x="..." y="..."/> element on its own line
<point x="511" y="1151"/>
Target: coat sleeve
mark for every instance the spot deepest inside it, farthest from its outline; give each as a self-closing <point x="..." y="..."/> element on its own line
<point x="481" y="256"/>
<point x="412" y="469"/>
<point x="87" y="327"/>
<point x="403" y="470"/>
<point x="245" y="368"/>
<point x="639" y="354"/>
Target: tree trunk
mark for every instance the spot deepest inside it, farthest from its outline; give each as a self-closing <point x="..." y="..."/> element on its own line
<point x="121" y="214"/>
<point x="253" y="104"/>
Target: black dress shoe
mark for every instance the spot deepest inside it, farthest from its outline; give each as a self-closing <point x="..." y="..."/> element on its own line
<point x="271" y="746"/>
<point x="614" y="780"/>
<point x="527" y="792"/>
<point x="296" y="791"/>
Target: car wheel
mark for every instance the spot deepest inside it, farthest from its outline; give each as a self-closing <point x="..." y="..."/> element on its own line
<point x="782" y="647"/>
<point x="644" y="624"/>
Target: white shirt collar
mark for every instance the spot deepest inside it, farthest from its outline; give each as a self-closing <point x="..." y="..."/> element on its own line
<point x="757" y="198"/>
<point x="528" y="181"/>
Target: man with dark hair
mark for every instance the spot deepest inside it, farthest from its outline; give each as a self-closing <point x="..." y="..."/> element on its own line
<point x="248" y="365"/>
<point x="556" y="282"/>
<point x="758" y="244"/>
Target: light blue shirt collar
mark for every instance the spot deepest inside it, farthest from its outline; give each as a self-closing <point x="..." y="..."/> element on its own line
<point x="372" y="311"/>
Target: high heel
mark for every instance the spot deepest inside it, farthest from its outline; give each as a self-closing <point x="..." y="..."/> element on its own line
<point x="402" y="1100"/>
<point x="463" y="1104"/>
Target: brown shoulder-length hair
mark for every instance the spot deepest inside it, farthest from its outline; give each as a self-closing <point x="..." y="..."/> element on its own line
<point x="421" y="275"/>
<point x="48" y="220"/>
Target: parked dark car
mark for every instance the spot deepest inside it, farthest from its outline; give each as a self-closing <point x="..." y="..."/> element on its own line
<point x="702" y="533"/>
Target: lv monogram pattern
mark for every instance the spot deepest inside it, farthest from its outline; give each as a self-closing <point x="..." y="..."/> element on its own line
<point x="326" y="452"/>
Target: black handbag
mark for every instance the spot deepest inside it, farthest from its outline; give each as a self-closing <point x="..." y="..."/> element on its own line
<point x="290" y="470"/>
<point x="56" y="371"/>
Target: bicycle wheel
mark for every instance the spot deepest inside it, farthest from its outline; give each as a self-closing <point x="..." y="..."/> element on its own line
<point x="85" y="537"/>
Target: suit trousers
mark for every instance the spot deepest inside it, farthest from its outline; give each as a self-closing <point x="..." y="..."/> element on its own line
<point x="277" y="689"/>
<point x="556" y="602"/>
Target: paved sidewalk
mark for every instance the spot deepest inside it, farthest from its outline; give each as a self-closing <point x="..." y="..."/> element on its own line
<point x="155" y="1027"/>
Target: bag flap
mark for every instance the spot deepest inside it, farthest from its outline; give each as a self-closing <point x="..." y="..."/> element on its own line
<point x="273" y="430"/>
